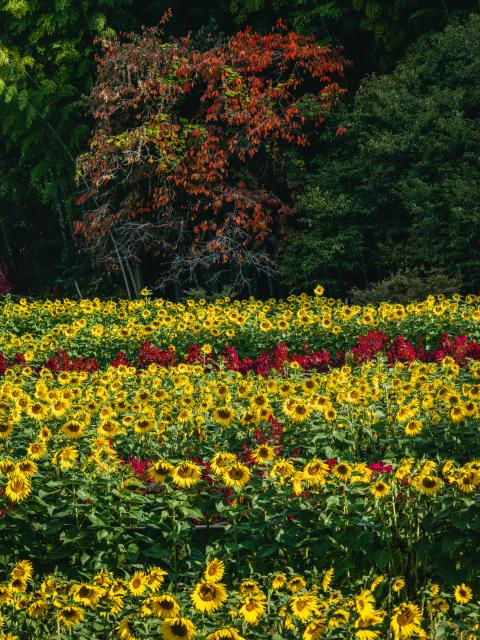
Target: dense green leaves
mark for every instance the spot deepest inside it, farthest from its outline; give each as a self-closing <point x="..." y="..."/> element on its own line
<point x="400" y="187"/>
<point x="404" y="170"/>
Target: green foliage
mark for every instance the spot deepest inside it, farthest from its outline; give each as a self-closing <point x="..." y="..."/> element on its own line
<point x="400" y="188"/>
<point x="46" y="64"/>
<point x="404" y="170"/>
<point x="405" y="286"/>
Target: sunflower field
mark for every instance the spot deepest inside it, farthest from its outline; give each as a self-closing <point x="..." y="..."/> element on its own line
<point x="228" y="470"/>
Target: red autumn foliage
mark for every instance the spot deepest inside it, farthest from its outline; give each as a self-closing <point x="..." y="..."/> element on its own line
<point x="191" y="139"/>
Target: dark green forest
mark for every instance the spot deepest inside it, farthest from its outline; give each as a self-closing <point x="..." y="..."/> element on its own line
<point x="389" y="184"/>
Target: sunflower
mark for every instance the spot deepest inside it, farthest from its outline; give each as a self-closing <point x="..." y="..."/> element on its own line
<point x="87" y="594"/>
<point x="363" y="626"/>
<point x="376" y="582"/>
<point x="365" y="603"/>
<point x="253" y="609"/>
<point x="296" y="584"/>
<point x="164" y="606"/>
<point x="380" y="489"/>
<point x="315" y="472"/>
<point x="438" y="605"/>
<point x="70" y="616"/>
<point x="338" y="618"/>
<point x="327" y="579"/>
<point x="159" y="471"/>
<point x="263" y="453"/>
<point x="299" y="411"/>
<point x="6" y="429"/>
<point x="177" y="629"/>
<point x="36" y="450"/>
<point x="44" y="434"/>
<point x="259" y="401"/>
<point x="282" y="469"/>
<point x="413" y="428"/>
<point x="23" y="570"/>
<point x="223" y="416"/>
<point x="428" y="484"/>
<point x="37" y="411"/>
<point x="330" y="414"/>
<point x="7" y="466"/>
<point x="17" y="585"/>
<point x="398" y="584"/>
<point x="109" y="428"/>
<point x="214" y="570"/>
<point x="228" y="633"/>
<point x="155" y="578"/>
<point x="406" y="620"/>
<point x="304" y="606"/>
<point x="73" y="429"/>
<point x="314" y="630"/>
<point x="237" y="475"/>
<point x="462" y="593"/>
<point x="144" y="425"/>
<point x="209" y="596"/>
<point x="66" y="458"/>
<point x="343" y="471"/>
<point x="18" y="487"/>
<point x="222" y="460"/>
<point x="186" y="474"/>
<point x="137" y="583"/>
<point x="467" y="481"/>
<point x="279" y="580"/>
<point x="37" y="609"/>
<point x="26" y="467"/>
<point x="249" y="587"/>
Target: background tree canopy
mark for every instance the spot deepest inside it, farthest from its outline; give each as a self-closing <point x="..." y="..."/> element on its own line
<point x="390" y="182"/>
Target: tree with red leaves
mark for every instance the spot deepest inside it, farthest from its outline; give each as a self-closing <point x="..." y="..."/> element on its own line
<point x="188" y="160"/>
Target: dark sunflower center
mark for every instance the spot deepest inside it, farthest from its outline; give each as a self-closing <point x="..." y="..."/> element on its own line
<point x="207" y="592"/>
<point x="180" y="629"/>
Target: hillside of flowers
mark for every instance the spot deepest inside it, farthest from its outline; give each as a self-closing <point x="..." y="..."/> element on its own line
<point x="228" y="470"/>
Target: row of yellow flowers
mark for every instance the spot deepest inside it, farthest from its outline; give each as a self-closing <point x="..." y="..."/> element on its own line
<point x="89" y="327"/>
<point x="266" y="469"/>
<point x="187" y="403"/>
<point x="311" y="607"/>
